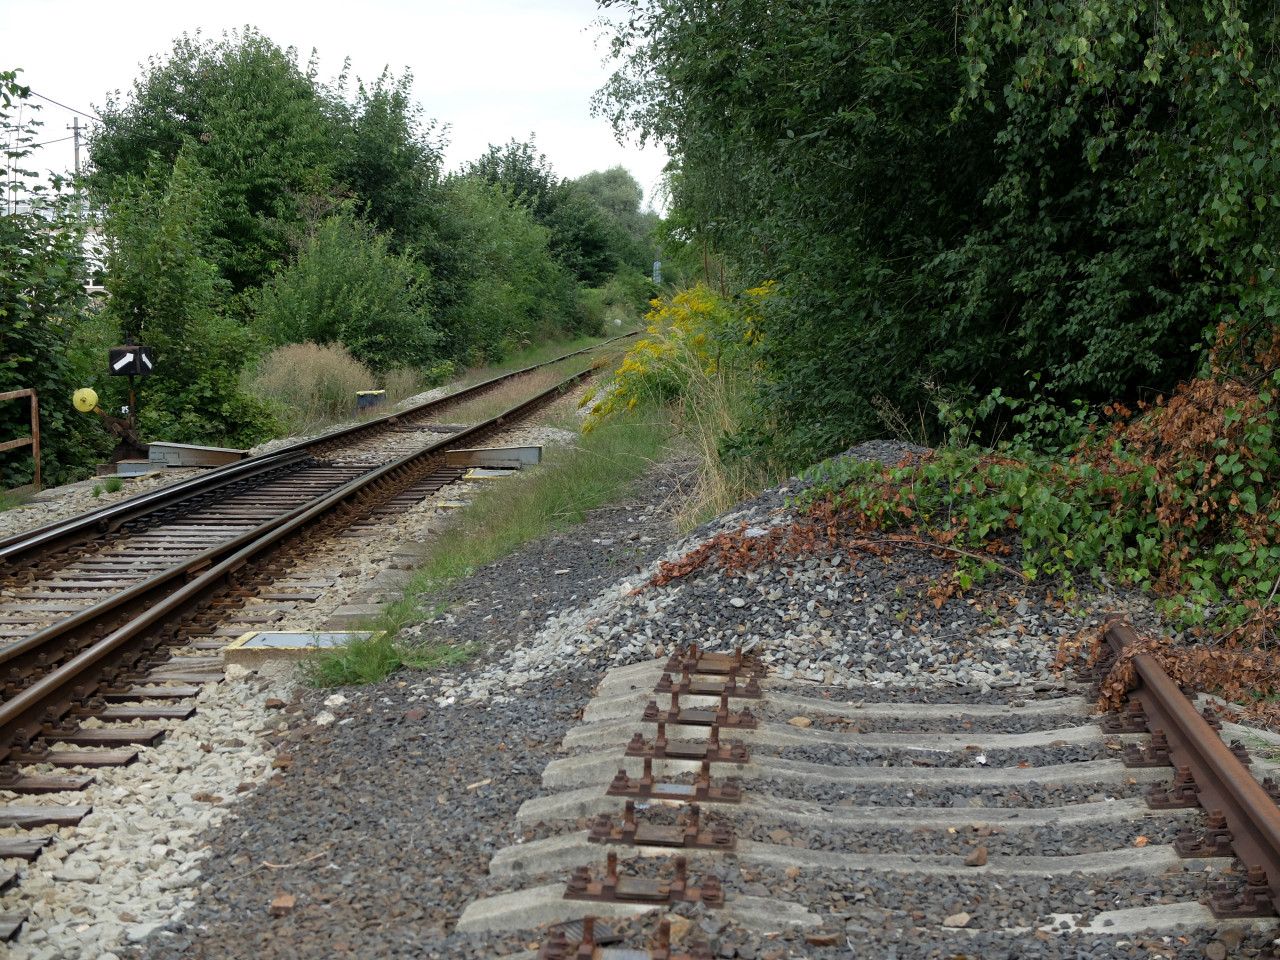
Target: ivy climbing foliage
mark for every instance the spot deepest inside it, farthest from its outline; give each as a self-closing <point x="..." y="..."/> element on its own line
<point x="1181" y="496"/>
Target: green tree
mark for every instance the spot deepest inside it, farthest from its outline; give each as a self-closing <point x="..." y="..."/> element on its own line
<point x="389" y="158"/>
<point x="347" y="286"/>
<point x="515" y="289"/>
<point x="951" y="197"/>
<point x="261" y="129"/>
<point x="524" y="173"/>
<point x="619" y="195"/>
<point x="589" y="242"/>
<point x="42" y="305"/>
<point x="166" y="291"/>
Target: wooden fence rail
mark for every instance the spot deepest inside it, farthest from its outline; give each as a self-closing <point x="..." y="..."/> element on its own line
<point x="32" y="441"/>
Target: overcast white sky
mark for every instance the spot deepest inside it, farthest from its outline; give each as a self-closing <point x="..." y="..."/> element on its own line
<point x="491" y="69"/>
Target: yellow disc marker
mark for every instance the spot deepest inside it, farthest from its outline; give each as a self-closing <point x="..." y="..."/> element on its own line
<point x="85" y="399"/>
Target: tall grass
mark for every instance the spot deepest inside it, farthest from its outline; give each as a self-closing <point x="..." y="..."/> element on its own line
<point x="598" y="468"/>
<point x="9" y="500"/>
<point x="312" y="385"/>
<point x="712" y="406"/>
<point x="700" y="356"/>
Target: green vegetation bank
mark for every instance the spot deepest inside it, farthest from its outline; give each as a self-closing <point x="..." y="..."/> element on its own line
<point x="1040" y="237"/>
<point x="248" y="207"/>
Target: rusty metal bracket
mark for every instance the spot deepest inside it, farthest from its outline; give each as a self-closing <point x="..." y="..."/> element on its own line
<point x="1255" y="900"/>
<point x="709" y="686"/>
<point x="1272" y="788"/>
<point x="1182" y="793"/>
<point x="687" y="834"/>
<point x="701" y="790"/>
<point x="1154" y="754"/>
<point x="1131" y="720"/>
<point x="660" y="947"/>
<point x="559" y="947"/>
<point x="614" y="889"/>
<point x="1224" y="783"/>
<point x="722" y="716"/>
<point x="663" y="749"/>
<point x="726" y="664"/>
<point x="1213" y="841"/>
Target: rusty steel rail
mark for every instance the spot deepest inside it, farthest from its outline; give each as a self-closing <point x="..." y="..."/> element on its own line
<point x="1223" y="783"/>
<point x="25" y="715"/>
<point x="20" y="547"/>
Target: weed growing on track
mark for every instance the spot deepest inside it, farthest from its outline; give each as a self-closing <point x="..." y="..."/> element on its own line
<point x="113" y="484"/>
<point x="377" y="657"/>
<point x="597" y="469"/>
<point x="528" y="357"/>
<point x="506" y="396"/>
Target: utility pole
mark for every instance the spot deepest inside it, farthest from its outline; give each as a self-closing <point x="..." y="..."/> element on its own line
<point x="75" y="133"/>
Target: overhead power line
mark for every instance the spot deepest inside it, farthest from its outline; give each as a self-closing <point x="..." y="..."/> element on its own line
<point x="58" y="103"/>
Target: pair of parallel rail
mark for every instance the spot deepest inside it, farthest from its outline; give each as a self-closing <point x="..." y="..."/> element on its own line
<point x="188" y="543"/>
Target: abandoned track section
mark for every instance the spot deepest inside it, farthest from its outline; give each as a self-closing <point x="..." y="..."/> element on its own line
<point x="46" y="702"/>
<point x="1243" y="816"/>
<point x="25" y="551"/>
<point x="708" y="789"/>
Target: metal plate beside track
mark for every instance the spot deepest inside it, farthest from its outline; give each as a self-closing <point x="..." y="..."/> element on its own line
<point x="257" y="647"/>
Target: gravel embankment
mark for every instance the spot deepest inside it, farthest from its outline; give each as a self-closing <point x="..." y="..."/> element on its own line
<point x="380" y="831"/>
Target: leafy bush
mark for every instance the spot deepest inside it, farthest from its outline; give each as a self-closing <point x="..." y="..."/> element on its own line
<point x="1182" y="498"/>
<point x="42" y="308"/>
<point x="347" y="287"/>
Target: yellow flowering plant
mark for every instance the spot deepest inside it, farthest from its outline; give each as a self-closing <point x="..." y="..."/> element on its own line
<point x="700" y="358"/>
<point x="691" y="338"/>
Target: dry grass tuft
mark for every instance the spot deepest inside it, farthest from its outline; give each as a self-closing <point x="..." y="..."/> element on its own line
<point x="311" y="384"/>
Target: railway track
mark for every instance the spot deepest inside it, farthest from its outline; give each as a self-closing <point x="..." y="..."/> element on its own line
<point x="112" y="620"/>
<point x="700" y="792"/>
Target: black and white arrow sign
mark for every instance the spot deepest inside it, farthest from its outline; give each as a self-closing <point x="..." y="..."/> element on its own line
<point x="131" y="360"/>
